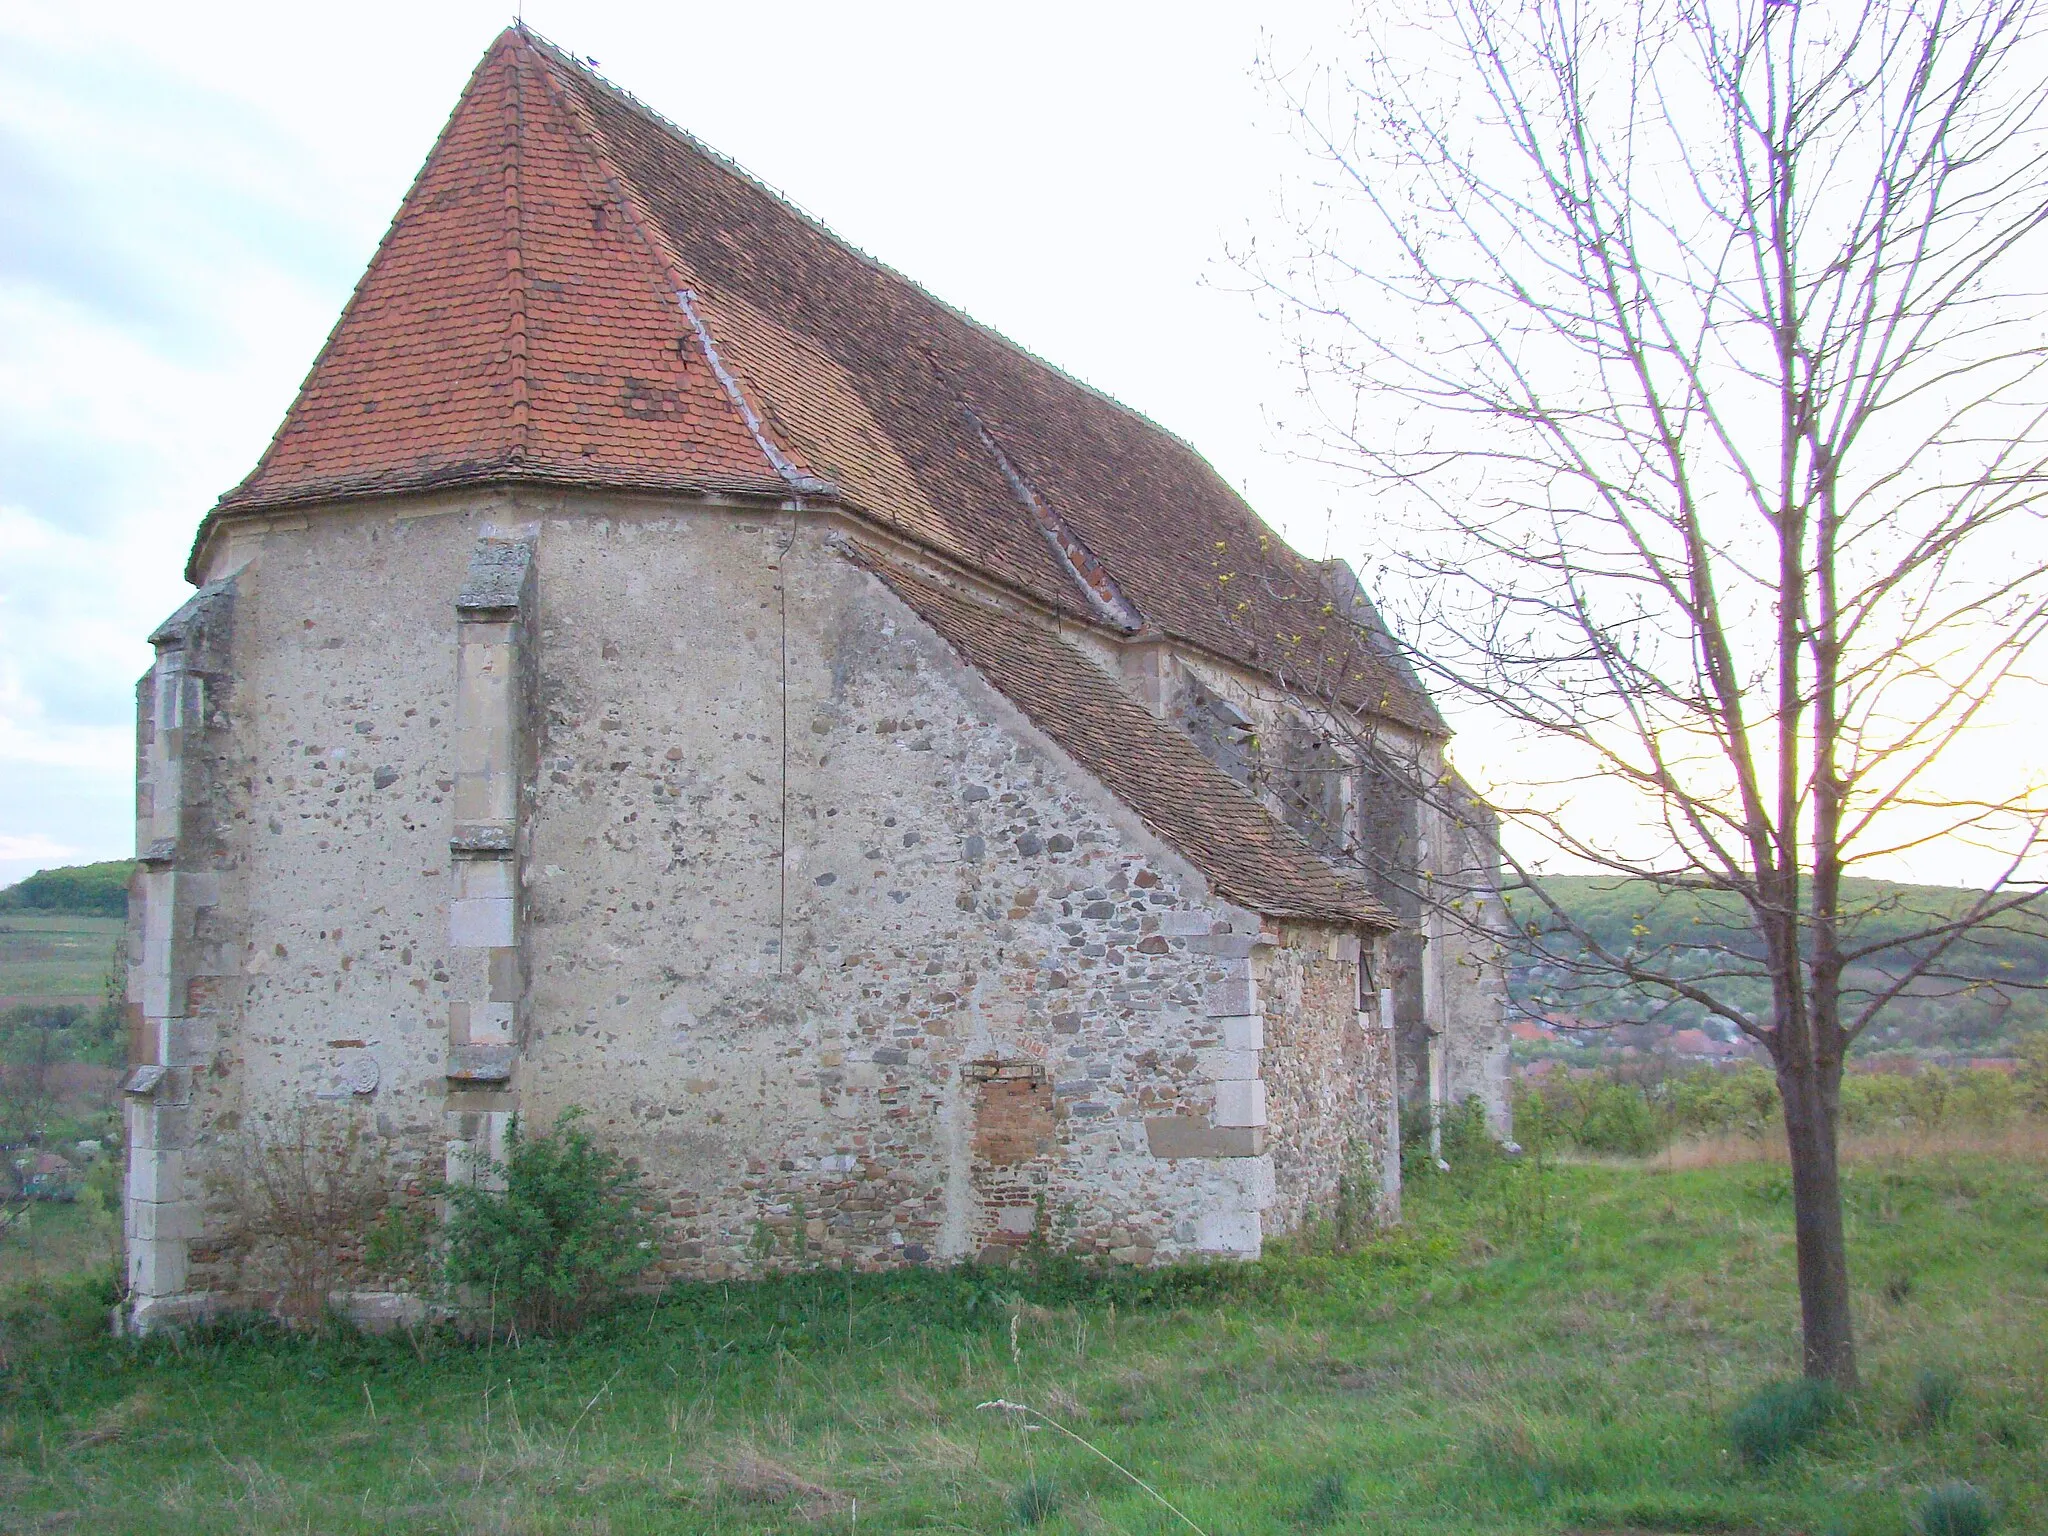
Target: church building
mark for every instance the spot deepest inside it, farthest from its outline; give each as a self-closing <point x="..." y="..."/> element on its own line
<point x="668" y="663"/>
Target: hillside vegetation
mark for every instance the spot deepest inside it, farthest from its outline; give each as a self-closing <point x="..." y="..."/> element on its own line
<point x="1540" y="1349"/>
<point x="77" y="890"/>
<point x="1992" y="1001"/>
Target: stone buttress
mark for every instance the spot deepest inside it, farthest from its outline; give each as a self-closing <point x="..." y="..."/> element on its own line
<point x="182" y="961"/>
<point x="487" y="959"/>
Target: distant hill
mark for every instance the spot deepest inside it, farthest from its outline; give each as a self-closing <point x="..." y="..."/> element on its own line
<point x="1698" y="933"/>
<point x="78" y="890"/>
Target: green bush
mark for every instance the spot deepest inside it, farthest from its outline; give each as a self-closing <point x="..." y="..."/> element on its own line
<point x="559" y="1237"/>
<point x="1955" y="1509"/>
<point x="1781" y="1417"/>
<point x="2031" y="1083"/>
<point x="44" y="1317"/>
<point x="1740" y="1099"/>
<point x="1606" y="1116"/>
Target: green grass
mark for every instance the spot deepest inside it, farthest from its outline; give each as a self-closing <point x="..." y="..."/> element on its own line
<point x="1514" y="1360"/>
<point x="42" y="955"/>
<point x="53" y="1240"/>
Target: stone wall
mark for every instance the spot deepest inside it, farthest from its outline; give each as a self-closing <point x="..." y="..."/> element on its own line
<point x="811" y="921"/>
<point x="1475" y="986"/>
<point x="958" y="911"/>
<point x="1329" y="1071"/>
<point x="1436" y="873"/>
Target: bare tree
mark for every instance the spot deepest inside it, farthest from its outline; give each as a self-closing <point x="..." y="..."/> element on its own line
<point x="1694" y="353"/>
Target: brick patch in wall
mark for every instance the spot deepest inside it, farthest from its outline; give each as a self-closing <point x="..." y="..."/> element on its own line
<point x="1013" y="1118"/>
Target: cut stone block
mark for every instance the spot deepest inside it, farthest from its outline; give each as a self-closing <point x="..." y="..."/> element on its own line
<point x="1236" y="996"/>
<point x="1246" y="1033"/>
<point x="157" y="1268"/>
<point x="1185" y="1136"/>
<point x="1229" y="1232"/>
<point x="163" y="1221"/>
<point x="480" y="1063"/>
<point x="152" y="1127"/>
<point x="1241" y="1103"/>
<point x="498" y="581"/>
<point x="1230" y="946"/>
<point x="489" y="1023"/>
<point x="482" y="879"/>
<point x="156" y="1176"/>
<point x="1226" y="1065"/>
<point x="484" y="923"/>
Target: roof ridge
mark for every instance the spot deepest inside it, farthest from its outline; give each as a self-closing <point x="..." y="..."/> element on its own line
<point x="731" y="166"/>
<point x="1080" y="562"/>
<point x="515" y="260"/>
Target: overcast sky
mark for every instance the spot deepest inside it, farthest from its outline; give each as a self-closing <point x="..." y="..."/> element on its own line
<point x="188" y="193"/>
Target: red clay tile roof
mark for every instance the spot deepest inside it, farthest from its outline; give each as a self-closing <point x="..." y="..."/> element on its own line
<point x="511" y="324"/>
<point x="575" y="291"/>
<point x="1247" y="854"/>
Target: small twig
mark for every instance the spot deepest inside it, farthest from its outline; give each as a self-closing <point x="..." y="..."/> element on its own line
<point x="593" y="1401"/>
<point x="1006" y="1406"/>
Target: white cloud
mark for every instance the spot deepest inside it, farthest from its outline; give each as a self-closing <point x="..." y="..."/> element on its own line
<point x="30" y="849"/>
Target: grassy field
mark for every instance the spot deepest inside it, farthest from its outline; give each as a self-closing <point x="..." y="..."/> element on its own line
<point x="53" y="1240"/>
<point x="1534" y="1352"/>
<point x="51" y="957"/>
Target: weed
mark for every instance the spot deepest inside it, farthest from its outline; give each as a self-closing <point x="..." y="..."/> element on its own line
<point x="2010" y="1434"/>
<point x="1955" y="1509"/>
<point x="304" y="1189"/>
<point x="1898" y="1289"/>
<point x="1936" y="1392"/>
<point x="1781" y="1417"/>
<point x="113" y="1421"/>
<point x="1035" y="1501"/>
<point x="1328" y="1497"/>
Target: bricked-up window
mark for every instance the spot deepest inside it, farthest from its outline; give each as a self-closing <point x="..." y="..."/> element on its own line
<point x="1013" y="1120"/>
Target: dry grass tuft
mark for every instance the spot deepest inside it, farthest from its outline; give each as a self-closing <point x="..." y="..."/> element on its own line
<point x="743" y="1475"/>
<point x="112" y="1422"/>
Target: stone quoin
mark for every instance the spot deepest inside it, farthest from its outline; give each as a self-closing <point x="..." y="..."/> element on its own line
<point x="669" y="664"/>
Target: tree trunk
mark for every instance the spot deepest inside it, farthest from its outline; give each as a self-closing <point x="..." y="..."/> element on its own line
<point x="1811" y="1102"/>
